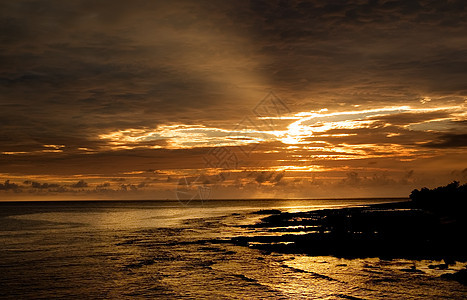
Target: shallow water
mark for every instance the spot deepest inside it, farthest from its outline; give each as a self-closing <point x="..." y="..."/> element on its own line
<point x="138" y="250"/>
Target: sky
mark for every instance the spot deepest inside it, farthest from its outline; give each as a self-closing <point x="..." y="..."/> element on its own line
<point x="231" y="99"/>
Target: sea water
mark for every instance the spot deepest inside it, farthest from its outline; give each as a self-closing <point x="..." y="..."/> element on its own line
<point x="165" y="249"/>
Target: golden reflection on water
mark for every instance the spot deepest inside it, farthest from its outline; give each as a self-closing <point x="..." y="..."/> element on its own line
<point x="125" y="252"/>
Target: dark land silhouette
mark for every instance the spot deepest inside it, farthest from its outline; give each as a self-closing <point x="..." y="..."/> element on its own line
<point x="431" y="225"/>
<point x="445" y="201"/>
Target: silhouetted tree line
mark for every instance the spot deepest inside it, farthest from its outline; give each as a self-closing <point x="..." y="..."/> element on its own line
<point x="450" y="199"/>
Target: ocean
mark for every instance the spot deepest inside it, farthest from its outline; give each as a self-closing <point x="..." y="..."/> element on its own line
<point x="168" y="250"/>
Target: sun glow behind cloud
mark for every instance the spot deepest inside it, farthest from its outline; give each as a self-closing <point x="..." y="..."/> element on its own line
<point x="306" y="129"/>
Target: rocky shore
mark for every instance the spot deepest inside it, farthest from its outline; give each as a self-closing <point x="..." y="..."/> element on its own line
<point x="387" y="231"/>
<point x="431" y="225"/>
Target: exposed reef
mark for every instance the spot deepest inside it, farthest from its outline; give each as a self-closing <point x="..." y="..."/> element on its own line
<point x="429" y="226"/>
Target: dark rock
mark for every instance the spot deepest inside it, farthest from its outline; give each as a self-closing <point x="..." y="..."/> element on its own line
<point x="460" y="276"/>
<point x="439" y="267"/>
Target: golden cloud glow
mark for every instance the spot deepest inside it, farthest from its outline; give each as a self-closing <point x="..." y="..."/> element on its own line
<point x="184" y="136"/>
<point x="308" y="138"/>
<point x="14" y="152"/>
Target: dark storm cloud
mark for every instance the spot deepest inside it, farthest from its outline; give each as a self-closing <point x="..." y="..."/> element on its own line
<point x="106" y="163"/>
<point x="77" y="68"/>
<point x="376" y="179"/>
<point x="38" y="185"/>
<point x="80" y="184"/>
<point x="80" y="187"/>
<point x="362" y="51"/>
<point x="451" y="140"/>
<point x="7" y="185"/>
